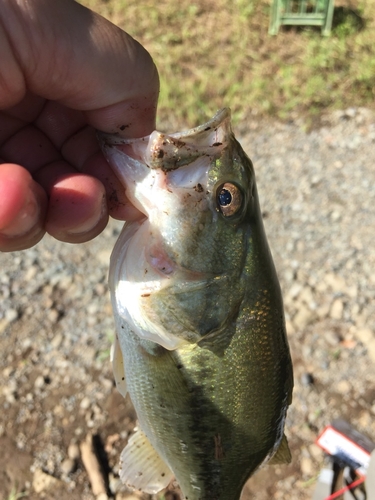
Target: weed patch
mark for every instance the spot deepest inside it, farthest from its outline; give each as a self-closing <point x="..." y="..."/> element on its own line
<point x="216" y="53"/>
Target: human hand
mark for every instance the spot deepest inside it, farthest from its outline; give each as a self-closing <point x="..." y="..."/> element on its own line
<point x="64" y="72"/>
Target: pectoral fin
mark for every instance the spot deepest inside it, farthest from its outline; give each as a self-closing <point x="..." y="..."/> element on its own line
<point x="118" y="367"/>
<point x="141" y="466"/>
<point x="283" y="455"/>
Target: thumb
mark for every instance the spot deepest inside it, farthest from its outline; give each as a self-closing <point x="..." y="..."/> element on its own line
<point x="62" y="51"/>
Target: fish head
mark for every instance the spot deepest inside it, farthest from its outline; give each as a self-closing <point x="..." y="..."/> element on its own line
<point x="176" y="273"/>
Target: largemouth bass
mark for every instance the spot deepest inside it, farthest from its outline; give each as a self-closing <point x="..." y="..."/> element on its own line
<point x="201" y="346"/>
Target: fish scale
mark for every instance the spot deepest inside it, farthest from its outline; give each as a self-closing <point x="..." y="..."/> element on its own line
<point x="200" y="341"/>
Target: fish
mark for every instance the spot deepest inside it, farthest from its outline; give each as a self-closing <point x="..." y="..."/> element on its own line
<point x="201" y="346"/>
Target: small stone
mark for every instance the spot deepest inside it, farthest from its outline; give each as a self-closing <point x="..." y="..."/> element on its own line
<point x="56" y="341"/>
<point x="26" y="343"/>
<point x="11" y="315"/>
<point x="67" y="466"/>
<point x="10" y="398"/>
<point x="364" y="335"/>
<point x="316" y="452"/>
<point x="337" y="309"/>
<point x="352" y="291"/>
<point x="53" y="316"/>
<point x="335" y="282"/>
<point x="332" y="338"/>
<point x="31" y="273"/>
<point x="92" y="308"/>
<point x="350" y="112"/>
<point x="39" y="382"/>
<point x="59" y="411"/>
<point x="65" y="282"/>
<point x="307" y="297"/>
<point x="100" y="289"/>
<point x="364" y="420"/>
<point x="335" y="216"/>
<point x="323" y="310"/>
<point x="315" y="180"/>
<point x="307" y="379"/>
<point x="73" y="451"/>
<point x="114" y="482"/>
<point x="303" y="317"/>
<point x="294" y="290"/>
<point x="43" y="481"/>
<point x="85" y="403"/>
<point x="343" y="387"/>
<point x="307" y="467"/>
<point x="103" y="257"/>
<point x="8" y="371"/>
<point x="4" y="279"/>
<point x="48" y="303"/>
<point x="107" y="384"/>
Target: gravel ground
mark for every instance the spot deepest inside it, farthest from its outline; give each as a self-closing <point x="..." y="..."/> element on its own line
<point x="57" y="396"/>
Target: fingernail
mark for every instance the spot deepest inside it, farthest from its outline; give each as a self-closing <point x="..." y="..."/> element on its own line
<point x="90" y="223"/>
<point x="26" y="218"/>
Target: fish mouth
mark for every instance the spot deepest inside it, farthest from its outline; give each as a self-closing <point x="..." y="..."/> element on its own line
<point x="180" y="159"/>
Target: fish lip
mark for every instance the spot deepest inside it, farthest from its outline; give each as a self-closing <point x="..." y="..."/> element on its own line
<point x="113" y="139"/>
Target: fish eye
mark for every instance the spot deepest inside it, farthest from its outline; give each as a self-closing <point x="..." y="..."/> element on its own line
<point x="229" y="199"/>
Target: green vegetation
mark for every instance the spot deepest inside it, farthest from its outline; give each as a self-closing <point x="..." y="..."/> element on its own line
<point x="215" y="53"/>
<point x="15" y="495"/>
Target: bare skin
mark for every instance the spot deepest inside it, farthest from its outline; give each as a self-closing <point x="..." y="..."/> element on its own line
<point x="64" y="72"/>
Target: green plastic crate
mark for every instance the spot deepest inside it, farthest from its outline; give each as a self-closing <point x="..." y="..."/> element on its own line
<point x="301" y="12"/>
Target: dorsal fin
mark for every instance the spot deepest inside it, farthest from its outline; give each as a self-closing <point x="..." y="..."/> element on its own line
<point x="141" y="466"/>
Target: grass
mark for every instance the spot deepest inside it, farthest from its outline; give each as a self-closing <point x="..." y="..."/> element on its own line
<point x="15" y="495"/>
<point x="215" y="53"/>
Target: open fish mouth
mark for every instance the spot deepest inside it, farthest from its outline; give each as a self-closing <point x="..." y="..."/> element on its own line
<point x="147" y="165"/>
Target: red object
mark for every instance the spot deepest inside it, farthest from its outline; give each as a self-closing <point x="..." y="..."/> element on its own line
<point x="350" y="486"/>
